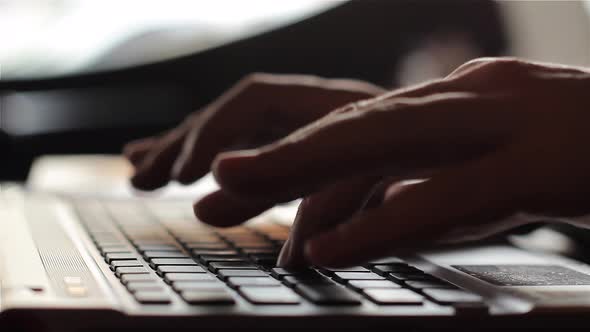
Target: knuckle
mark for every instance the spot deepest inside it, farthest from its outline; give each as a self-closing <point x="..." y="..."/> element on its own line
<point x="256" y="79"/>
<point x="477" y="62"/>
<point x="503" y="66"/>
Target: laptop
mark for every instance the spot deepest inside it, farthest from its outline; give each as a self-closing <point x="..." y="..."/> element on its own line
<point x="78" y="262"/>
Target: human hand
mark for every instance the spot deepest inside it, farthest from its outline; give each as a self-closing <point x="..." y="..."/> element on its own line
<point x="496" y="138"/>
<point x="257" y="110"/>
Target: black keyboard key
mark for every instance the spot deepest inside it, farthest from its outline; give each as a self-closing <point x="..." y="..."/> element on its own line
<point x="385" y="269"/>
<point x="393" y="296"/>
<point x="141" y="242"/>
<point x="180" y="286"/>
<point x="255" y="245"/>
<point x="144" y="286"/>
<point x="157" y="247"/>
<point x="180" y="269"/>
<point x="126" y="278"/>
<point x="119" y="257"/>
<point x="279" y="272"/>
<point x="215" y="258"/>
<point x="400" y="276"/>
<point x="211" y="296"/>
<point x="131" y="262"/>
<point x="240" y="273"/>
<point x="215" y="266"/>
<point x="344" y="276"/>
<point x="252" y="281"/>
<point x="172" y="277"/>
<point x="257" y="251"/>
<point x="151" y="297"/>
<point x="269" y="295"/>
<point x="268" y="261"/>
<point x="309" y="279"/>
<point x="388" y="260"/>
<point x="216" y="253"/>
<point x="130" y="270"/>
<point x="327" y="294"/>
<point x="347" y="269"/>
<point x="364" y="284"/>
<point x="452" y="296"/>
<point x="208" y="246"/>
<point x="164" y="254"/>
<point x="429" y="284"/>
<point x="172" y="261"/>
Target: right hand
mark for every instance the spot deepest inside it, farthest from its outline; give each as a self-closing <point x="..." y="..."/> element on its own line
<point x="257" y="110"/>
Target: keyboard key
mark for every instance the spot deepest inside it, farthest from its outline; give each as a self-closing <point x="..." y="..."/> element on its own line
<point x="115" y="249"/>
<point x="138" y="278"/>
<point x="279" y="272"/>
<point x="429" y="284"/>
<point x="254" y="245"/>
<point x="347" y="269"/>
<point x="241" y="273"/>
<point x="106" y="243"/>
<point x="452" y="296"/>
<point x="217" y="258"/>
<point x="131" y="262"/>
<point x="130" y="270"/>
<point x="252" y="281"/>
<point x="164" y="254"/>
<point x="327" y="294"/>
<point x="208" y="246"/>
<point x="309" y="279"/>
<point x="211" y="296"/>
<point x="388" y="260"/>
<point x="180" y="269"/>
<point x="157" y="247"/>
<point x="266" y="260"/>
<point x="140" y="242"/>
<point x="344" y="276"/>
<point x="385" y="269"/>
<point x="215" y="266"/>
<point x="400" y="276"/>
<point x="171" y="277"/>
<point x="393" y="296"/>
<point x="144" y="286"/>
<point x="172" y="261"/>
<point x="363" y="284"/>
<point x="215" y="253"/>
<point x="269" y="295"/>
<point x="197" y="285"/>
<point x="119" y="257"/>
<point x="257" y="251"/>
<point x="151" y="297"/>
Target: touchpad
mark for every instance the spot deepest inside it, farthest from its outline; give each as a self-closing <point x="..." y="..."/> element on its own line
<point x="526" y="275"/>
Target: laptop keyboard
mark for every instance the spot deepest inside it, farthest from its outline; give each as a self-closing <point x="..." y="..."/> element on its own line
<point x="151" y="248"/>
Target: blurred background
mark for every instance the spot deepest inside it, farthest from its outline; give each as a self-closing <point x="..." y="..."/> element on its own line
<point x="84" y="76"/>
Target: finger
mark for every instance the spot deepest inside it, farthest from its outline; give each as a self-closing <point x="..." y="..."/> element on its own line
<point x="222" y="210"/>
<point x="135" y="151"/>
<point x="321" y="211"/>
<point x="245" y="110"/>
<point x="475" y="192"/>
<point x="396" y="137"/>
<point x="154" y="169"/>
